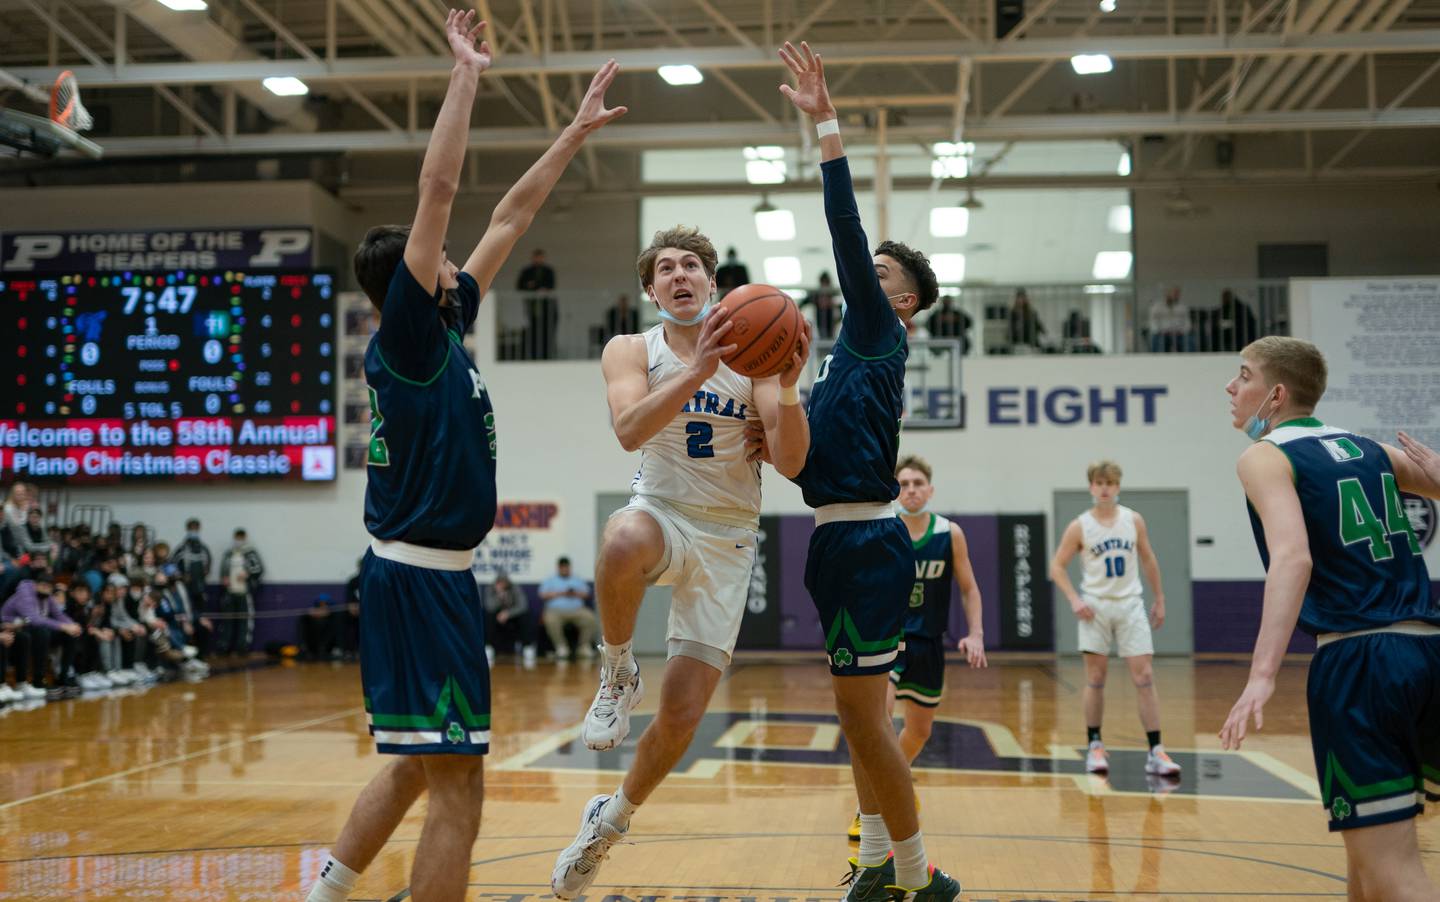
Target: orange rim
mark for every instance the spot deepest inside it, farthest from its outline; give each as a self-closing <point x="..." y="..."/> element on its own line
<point x="62" y="116"/>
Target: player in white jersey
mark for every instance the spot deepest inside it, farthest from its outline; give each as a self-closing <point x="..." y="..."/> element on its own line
<point x="691" y="524"/>
<point x="1114" y="546"/>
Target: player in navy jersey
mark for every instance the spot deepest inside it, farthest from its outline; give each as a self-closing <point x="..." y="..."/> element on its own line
<point x="430" y="498"/>
<point x="861" y="565"/>
<point x="1342" y="558"/>
<point x="941" y="555"/>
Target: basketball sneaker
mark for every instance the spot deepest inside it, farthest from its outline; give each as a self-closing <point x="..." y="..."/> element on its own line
<point x="1096" y="761"/>
<point x="867" y="884"/>
<point x="577" y="866"/>
<point x="1159" y="763"/>
<point x="941" y="888"/>
<point x="853" y="834"/>
<point x="607" y="723"/>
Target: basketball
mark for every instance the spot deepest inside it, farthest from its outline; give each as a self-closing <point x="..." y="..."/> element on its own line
<point x="766" y="328"/>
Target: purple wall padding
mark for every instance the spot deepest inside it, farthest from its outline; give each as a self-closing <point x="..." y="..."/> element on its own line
<point x="1227" y="616"/>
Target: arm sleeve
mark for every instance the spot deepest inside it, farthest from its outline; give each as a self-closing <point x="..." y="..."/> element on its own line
<point x="411" y="338"/>
<point x="870" y="326"/>
<point x="51" y="616"/>
<point x="469" y="294"/>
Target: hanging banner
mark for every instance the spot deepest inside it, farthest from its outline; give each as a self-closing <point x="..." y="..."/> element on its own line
<point x="1026" y="612"/>
<point x="165" y="249"/>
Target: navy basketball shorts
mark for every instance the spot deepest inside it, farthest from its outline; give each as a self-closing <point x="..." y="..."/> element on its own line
<point x="919" y="674"/>
<point x="1374" y="704"/>
<point x="422" y="654"/>
<point x="859" y="575"/>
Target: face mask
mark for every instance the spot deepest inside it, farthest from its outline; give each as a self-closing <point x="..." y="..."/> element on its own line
<point x="1096" y="498"/>
<point x="891" y="297"/>
<point x="669" y="317"/>
<point x="923" y="509"/>
<point x="1255" y="427"/>
<point x="192" y="535"/>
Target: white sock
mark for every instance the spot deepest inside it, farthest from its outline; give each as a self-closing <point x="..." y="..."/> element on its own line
<point x="335" y="884"/>
<point x="912" y="868"/>
<point x="874" y="841"/>
<point x="619" y="659"/>
<point x="618" y="811"/>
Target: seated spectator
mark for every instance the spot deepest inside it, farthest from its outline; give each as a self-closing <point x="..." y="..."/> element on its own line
<point x="1025" y="326"/>
<point x="191" y="632"/>
<point x="508" y="619"/>
<point x="37" y="539"/>
<point x="46" y="624"/>
<point x="947" y="321"/>
<point x="164" y="650"/>
<point x="14" y="648"/>
<point x="163" y="564"/>
<point x="1233" y="326"/>
<point x="564" y="596"/>
<point x="139" y="544"/>
<point x="1170" y="324"/>
<point x="124" y="606"/>
<point x="144" y="567"/>
<point x="621" y="319"/>
<point x="317" y="631"/>
<point x="97" y="666"/>
<point x="350" y="624"/>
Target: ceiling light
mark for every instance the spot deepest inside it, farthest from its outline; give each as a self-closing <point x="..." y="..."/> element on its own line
<point x="782" y="270"/>
<point x="949" y="222"/>
<point x="285" y="86"/>
<point x="1124" y="167"/>
<point x="1091" y="64"/>
<point x="949" y="167"/>
<point x="765" y="172"/>
<point x="1107" y="6"/>
<point x="184" y="5"/>
<point x="1119" y="220"/>
<point x="681" y="75"/>
<point x="1112" y="265"/>
<point x="949" y="268"/>
<point x="765" y="152"/>
<point x="772" y="224"/>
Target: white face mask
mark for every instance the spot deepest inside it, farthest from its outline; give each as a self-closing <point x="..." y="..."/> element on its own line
<point x="1098" y="503"/>
<point x="923" y="509"/>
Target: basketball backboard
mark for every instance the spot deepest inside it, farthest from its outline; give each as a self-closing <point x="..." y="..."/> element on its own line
<point x="41" y="137"/>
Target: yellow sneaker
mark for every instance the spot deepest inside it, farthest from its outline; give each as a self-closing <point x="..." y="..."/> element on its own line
<point x="854" y="832"/>
<point x="917" y="801"/>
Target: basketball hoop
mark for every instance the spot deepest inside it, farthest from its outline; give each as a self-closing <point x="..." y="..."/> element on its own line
<point x="65" y="106"/>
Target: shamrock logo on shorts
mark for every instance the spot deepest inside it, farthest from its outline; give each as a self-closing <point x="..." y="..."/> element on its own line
<point x="1339" y="809"/>
<point x="454" y="733"/>
<point x="842" y="657"/>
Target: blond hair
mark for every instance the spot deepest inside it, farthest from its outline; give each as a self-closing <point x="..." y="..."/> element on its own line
<point x="1107" y="470"/>
<point x="914" y="462"/>
<point x="685" y="238"/>
<point x="1293" y="362"/>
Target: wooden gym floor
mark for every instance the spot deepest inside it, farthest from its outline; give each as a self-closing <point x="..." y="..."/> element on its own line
<point x="232" y="789"/>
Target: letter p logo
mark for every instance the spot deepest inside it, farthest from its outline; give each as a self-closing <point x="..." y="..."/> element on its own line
<point x="30" y="248"/>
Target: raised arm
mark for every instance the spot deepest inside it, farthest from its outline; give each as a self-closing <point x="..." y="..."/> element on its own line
<point x="1070" y="544"/>
<point x="1269" y="484"/>
<point x="515" y="212"/>
<point x="638" y="412"/>
<point x="973" y="645"/>
<point x="440" y="173"/>
<point x="777" y="400"/>
<point x="1151" y="565"/>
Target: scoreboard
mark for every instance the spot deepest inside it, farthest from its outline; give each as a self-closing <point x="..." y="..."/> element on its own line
<point x="175" y="375"/>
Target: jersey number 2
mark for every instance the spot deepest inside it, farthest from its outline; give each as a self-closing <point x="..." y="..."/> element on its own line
<point x="701" y="435"/>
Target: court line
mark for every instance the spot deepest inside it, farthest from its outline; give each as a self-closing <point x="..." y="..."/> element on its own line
<point x="209" y="750"/>
<point x="1071" y="840"/>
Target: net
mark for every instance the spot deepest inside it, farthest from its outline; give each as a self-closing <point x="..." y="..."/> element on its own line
<point x="65" y="106"/>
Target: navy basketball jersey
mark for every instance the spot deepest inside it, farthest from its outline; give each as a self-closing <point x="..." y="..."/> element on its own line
<point x="929" y="612"/>
<point x="430" y="478"/>
<point x="1366" y="569"/>
<point x="858" y="396"/>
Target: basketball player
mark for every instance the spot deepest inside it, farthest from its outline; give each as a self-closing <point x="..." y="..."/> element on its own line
<point x="1341" y="557"/>
<point x="1111" y="540"/>
<point x="430" y="498"/>
<point x="940" y="552"/>
<point x="861" y="566"/>
<point x="691" y="524"/>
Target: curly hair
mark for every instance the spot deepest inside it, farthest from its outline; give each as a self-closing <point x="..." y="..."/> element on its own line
<point x="686" y="238"/>
<point x="917" y="267"/>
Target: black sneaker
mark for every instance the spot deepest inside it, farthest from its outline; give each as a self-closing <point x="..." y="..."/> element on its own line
<point x="941" y="888"/>
<point x="869" y="884"/>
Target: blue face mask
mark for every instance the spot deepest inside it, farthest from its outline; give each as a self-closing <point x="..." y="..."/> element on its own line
<point x="669" y="317"/>
<point x="1255" y="427"/>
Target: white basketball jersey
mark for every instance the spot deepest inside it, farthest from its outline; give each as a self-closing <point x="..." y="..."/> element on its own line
<point x="1112" y="566"/>
<point x="698" y="459"/>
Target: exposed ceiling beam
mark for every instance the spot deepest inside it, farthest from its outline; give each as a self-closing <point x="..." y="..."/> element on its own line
<point x="736" y="134"/>
<point x="586" y="62"/>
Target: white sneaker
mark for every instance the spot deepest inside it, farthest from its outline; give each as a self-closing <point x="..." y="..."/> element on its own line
<point x="30" y="693"/>
<point x="88" y="682"/>
<point x="527" y="656"/>
<point x="607" y="723"/>
<point x="142" y="671"/>
<point x="122" y="677"/>
<point x="576" y="867"/>
<point x="8" y="695"/>
<point x="1159" y="763"/>
<point x="101" y="681"/>
<point x="1096" y="761"/>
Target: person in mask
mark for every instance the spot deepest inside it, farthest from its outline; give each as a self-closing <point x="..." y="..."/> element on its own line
<point x="240" y="573"/>
<point x="192" y="562"/>
<point x="1114" y="546"/>
<point x="940" y="556"/>
<point x="1342" y="561"/>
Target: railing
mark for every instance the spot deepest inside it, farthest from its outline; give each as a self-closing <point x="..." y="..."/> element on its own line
<point x="1080" y="318"/>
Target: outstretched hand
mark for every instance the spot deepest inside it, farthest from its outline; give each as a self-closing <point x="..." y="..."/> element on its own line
<point x="461" y="30"/>
<point x="592" y="113"/>
<point x="810" y="95"/>
<point x="1424" y="457"/>
<point x="710" y="347"/>
<point x="791" y="374"/>
<point x="1251" y="704"/>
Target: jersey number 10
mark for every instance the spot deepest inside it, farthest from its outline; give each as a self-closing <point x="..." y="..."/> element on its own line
<point x="1114" y="566"/>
